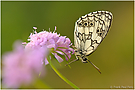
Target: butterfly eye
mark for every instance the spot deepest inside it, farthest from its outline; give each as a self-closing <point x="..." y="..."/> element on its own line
<point x="80" y="52"/>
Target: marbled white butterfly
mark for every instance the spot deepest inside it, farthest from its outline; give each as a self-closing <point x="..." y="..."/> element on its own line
<point x="89" y="32"/>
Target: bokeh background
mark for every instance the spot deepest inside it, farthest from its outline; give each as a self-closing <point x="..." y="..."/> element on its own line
<point x="114" y="55"/>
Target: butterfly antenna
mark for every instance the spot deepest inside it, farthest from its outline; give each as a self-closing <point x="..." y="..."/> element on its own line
<point x="95" y="67"/>
<point x="71" y="62"/>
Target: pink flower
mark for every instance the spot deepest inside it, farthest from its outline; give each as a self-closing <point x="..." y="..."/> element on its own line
<point x="20" y="66"/>
<point x="24" y="63"/>
<point x="54" y="43"/>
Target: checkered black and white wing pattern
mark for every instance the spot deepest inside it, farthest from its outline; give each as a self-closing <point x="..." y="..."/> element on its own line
<point x="90" y="30"/>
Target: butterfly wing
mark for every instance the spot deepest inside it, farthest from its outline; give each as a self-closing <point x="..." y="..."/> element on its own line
<point x="90" y="30"/>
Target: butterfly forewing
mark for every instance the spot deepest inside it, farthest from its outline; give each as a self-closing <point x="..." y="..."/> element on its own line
<point x="90" y="30"/>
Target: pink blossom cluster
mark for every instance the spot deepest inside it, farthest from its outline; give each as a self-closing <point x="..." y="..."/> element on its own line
<point x="21" y="65"/>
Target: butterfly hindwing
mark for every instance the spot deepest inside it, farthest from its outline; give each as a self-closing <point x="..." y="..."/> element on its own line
<point x="90" y="30"/>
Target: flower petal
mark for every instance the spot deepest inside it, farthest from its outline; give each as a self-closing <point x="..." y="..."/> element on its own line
<point x="57" y="57"/>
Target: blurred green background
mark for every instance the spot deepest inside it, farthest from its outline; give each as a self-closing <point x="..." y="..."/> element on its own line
<point x="114" y="55"/>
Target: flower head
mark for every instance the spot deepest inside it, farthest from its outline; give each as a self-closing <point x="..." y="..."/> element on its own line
<point x="22" y="64"/>
<point x="53" y="42"/>
<point x="20" y="67"/>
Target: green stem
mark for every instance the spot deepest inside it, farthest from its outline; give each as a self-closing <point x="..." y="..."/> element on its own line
<point x="61" y="76"/>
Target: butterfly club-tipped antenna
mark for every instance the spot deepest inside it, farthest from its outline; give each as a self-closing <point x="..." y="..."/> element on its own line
<point x="95" y="66"/>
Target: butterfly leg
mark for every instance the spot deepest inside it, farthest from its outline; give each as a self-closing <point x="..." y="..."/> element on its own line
<point x="72" y="62"/>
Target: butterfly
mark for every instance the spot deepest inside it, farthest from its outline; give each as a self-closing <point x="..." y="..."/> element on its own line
<point x="90" y="30"/>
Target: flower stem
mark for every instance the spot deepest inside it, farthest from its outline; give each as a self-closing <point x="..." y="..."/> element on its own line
<point x="61" y="76"/>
